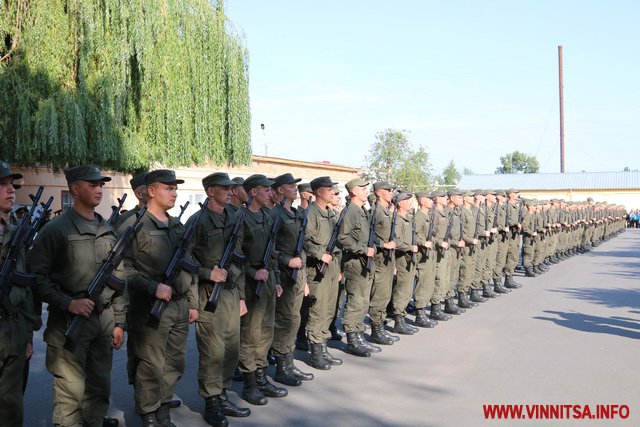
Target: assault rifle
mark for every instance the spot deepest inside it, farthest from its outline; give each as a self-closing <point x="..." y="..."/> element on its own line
<point x="392" y="235"/>
<point x="271" y="244"/>
<point x="177" y="264"/>
<point x="476" y="232"/>
<point x="414" y="238"/>
<point x="184" y="208"/>
<point x="300" y="242"/>
<point x="115" y="210"/>
<point x="8" y="275"/>
<point x="333" y="241"/>
<point x="38" y="220"/>
<point x="447" y="234"/>
<point x="104" y="277"/>
<point x="432" y="218"/>
<point x="228" y="256"/>
<point x="372" y="235"/>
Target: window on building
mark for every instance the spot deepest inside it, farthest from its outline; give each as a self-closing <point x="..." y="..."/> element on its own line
<point x="66" y="199"/>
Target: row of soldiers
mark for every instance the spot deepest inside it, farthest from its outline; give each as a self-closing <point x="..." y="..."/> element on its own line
<point x="243" y="268"/>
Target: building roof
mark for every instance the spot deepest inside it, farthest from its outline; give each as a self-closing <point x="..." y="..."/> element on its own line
<point x="554" y="181"/>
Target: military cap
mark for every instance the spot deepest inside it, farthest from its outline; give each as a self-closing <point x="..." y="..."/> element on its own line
<point x="421" y="194"/>
<point x="304" y="188"/>
<point x="403" y="195"/>
<point x="438" y="193"/>
<point x="285" y="178"/>
<point x="382" y="185"/>
<point x="511" y="190"/>
<point x="137" y="180"/>
<point x="5" y="171"/>
<point x="355" y="182"/>
<point x="85" y="173"/>
<point x="589" y="199"/>
<point x="455" y="192"/>
<point x="238" y="180"/>
<point x="480" y="192"/>
<point x="491" y="192"/>
<point x="468" y="193"/>
<point x="255" y="180"/>
<point x="335" y="189"/>
<point x="371" y="198"/>
<point x="217" y="178"/>
<point x="321" y="181"/>
<point x="500" y="193"/>
<point x="165" y="176"/>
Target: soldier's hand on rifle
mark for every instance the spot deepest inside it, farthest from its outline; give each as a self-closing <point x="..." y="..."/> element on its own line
<point x="494" y="230"/>
<point x="414" y="248"/>
<point x="193" y="315"/>
<point x="81" y="307"/>
<point x="461" y="243"/>
<point x="475" y="242"/>
<point x="307" y="291"/>
<point x="428" y="245"/>
<point x="371" y="252"/>
<point x="487" y="233"/>
<point x="262" y="275"/>
<point x="117" y="338"/>
<point x="295" y="262"/>
<point x="326" y="258"/>
<point x="445" y="245"/>
<point x="506" y="229"/>
<point x="29" y="351"/>
<point x="163" y="292"/>
<point x="519" y="227"/>
<point x="218" y="275"/>
<point x="243" y="308"/>
<point x="389" y="245"/>
<point x="279" y="290"/>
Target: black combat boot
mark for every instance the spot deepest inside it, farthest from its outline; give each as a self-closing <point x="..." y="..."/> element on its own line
<point x="378" y="336"/>
<point x="354" y="347"/>
<point x="388" y="334"/>
<point x="366" y="344"/>
<point x="302" y="376"/>
<point x="476" y="296"/>
<point x="487" y="292"/>
<point x="464" y="301"/>
<point x="317" y="359"/>
<point x="268" y="389"/>
<point x="498" y="288"/>
<point x="528" y="272"/>
<point x="401" y="326"/>
<point x="283" y="372"/>
<point x="213" y="413"/>
<point x="510" y="283"/>
<point x="422" y="320"/>
<point x="149" y="420"/>
<point x="110" y="422"/>
<point x="450" y="307"/>
<point x="230" y="409"/>
<point x="163" y="416"/>
<point x="250" y="391"/>
<point x="437" y="313"/>
<point x="328" y="357"/>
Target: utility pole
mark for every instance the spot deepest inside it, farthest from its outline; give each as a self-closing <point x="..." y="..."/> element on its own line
<point x="264" y="136"/>
<point x="561" y="110"/>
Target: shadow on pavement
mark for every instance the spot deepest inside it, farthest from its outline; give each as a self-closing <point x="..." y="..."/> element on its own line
<point x="610" y="297"/>
<point x="601" y="325"/>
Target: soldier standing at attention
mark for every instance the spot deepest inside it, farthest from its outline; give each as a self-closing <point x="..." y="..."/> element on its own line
<point x="456" y="244"/>
<point x="426" y="268"/>
<point x="440" y="225"/>
<point x="17" y="314"/>
<point x="287" y="317"/>
<point x="405" y="266"/>
<point x="480" y="291"/>
<point x="238" y="195"/>
<point x="256" y="327"/>
<point x="301" y="339"/>
<point x="160" y="349"/>
<point x="513" y="238"/>
<point x="217" y="333"/>
<point x="66" y="255"/>
<point x="384" y="265"/>
<point x="354" y="238"/>
<point x="469" y="252"/>
<point x="140" y="191"/>
<point x="323" y="288"/>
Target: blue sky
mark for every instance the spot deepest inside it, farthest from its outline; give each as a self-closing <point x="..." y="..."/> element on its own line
<point x="470" y="81"/>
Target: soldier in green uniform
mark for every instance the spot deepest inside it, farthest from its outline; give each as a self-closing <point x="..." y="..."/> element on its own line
<point x="441" y="244"/>
<point x="384" y="265"/>
<point x="354" y="239"/>
<point x="405" y="253"/>
<point x="529" y="238"/>
<point x="66" y="255"/>
<point x="513" y="215"/>
<point x="456" y="244"/>
<point x="426" y="267"/>
<point x="238" y="195"/>
<point x="481" y="291"/>
<point x="304" y="190"/>
<point x="140" y="191"/>
<point x="17" y="313"/>
<point x="217" y="333"/>
<point x="287" y="318"/>
<point x="470" y="221"/>
<point x="256" y="327"/>
<point x="161" y="348"/>
<point x="323" y="288"/>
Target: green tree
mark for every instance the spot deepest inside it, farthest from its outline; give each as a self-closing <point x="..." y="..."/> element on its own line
<point x="467" y="171"/>
<point x="393" y="159"/>
<point x="518" y="162"/>
<point x="450" y="175"/>
<point x="122" y="84"/>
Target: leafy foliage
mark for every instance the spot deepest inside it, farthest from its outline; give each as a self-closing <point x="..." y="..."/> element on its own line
<point x="122" y="84"/>
<point x="518" y="162"/>
<point x="393" y="159"/>
<point x="450" y="175"/>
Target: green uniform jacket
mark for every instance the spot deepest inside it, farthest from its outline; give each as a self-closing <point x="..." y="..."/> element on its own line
<point x="290" y="226"/>
<point x="441" y="222"/>
<point x="354" y="231"/>
<point x="319" y="229"/>
<point x="256" y="230"/>
<point x="404" y="234"/>
<point x="66" y="255"/>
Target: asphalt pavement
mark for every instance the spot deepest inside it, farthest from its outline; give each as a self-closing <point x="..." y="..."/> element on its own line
<point x="570" y="336"/>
